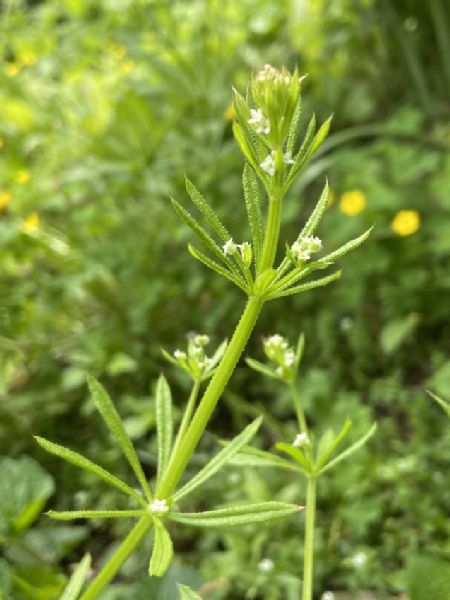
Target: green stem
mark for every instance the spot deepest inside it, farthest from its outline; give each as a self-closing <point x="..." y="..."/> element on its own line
<point x="187" y="415"/>
<point x="118" y="558"/>
<point x="307" y="590"/>
<point x="272" y="233"/>
<point x="298" y="408"/>
<point x="212" y="394"/>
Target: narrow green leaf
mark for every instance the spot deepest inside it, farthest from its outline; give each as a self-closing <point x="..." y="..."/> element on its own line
<point x="324" y="453"/>
<point x="251" y="154"/>
<point x="299" y="349"/>
<point x="220" y="459"/>
<point x="162" y="551"/>
<point x="112" y="419"/>
<point x="237" y="515"/>
<point x="207" y="211"/>
<point x="294" y="127"/>
<point x="261" y="368"/>
<point x="186" y="593"/>
<point x="253" y="206"/>
<point x="445" y="405"/>
<point x="77" y="580"/>
<point x="69" y="515"/>
<point x="300" y="157"/>
<point x="211" y="264"/>
<point x="306" y="286"/>
<point x="317" y="214"/>
<point x="203" y="235"/>
<point x="349" y="451"/>
<point x="215" y="358"/>
<point x="83" y="463"/>
<point x="296" y="454"/>
<point x="348" y="247"/>
<point x="320" y="136"/>
<point x="254" y="457"/>
<point x="164" y="424"/>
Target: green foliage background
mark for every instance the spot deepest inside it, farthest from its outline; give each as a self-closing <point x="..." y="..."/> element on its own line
<point x="104" y="107"/>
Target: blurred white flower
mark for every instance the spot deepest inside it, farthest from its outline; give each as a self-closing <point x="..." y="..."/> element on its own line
<point x="259" y="121"/>
<point x="158" y="506"/>
<point x="266" y="565"/>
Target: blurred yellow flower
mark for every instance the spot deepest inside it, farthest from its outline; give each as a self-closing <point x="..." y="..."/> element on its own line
<point x="229" y="113"/>
<point x="31" y="223"/>
<point x="331" y="197"/>
<point x="27" y="59"/>
<point x="117" y="50"/>
<point x="352" y="202"/>
<point x="5" y="198"/>
<point x="22" y="176"/>
<point x="11" y="69"/>
<point x="127" y="67"/>
<point x="406" y="222"/>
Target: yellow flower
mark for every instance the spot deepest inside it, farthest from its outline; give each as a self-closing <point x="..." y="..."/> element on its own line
<point x="127" y="67"/>
<point x="11" y="69"/>
<point x="31" y="223"/>
<point x="22" y="176"/>
<point x="27" y="59"/>
<point x="406" y="222"/>
<point x="5" y="197"/>
<point x="352" y="202"/>
<point x="229" y="113"/>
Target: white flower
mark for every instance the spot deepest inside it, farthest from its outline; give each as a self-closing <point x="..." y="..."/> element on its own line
<point x="201" y="340"/>
<point x="287" y="158"/>
<point x="314" y="244"/>
<point x="327" y="596"/>
<point x="276" y="341"/>
<point x="229" y="247"/>
<point x="259" y="121"/>
<point x="268" y="164"/>
<point x="299" y="252"/>
<point x="179" y="355"/>
<point x="158" y="506"/>
<point x="301" y="439"/>
<point x="269" y="73"/>
<point x="289" y="358"/>
<point x="266" y="565"/>
<point x="359" y="559"/>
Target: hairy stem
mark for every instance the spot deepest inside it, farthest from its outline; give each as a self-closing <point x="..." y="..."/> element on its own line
<point x="298" y="408"/>
<point x="187" y="415"/>
<point x="272" y="233"/>
<point x="118" y="558"/>
<point x="307" y="589"/>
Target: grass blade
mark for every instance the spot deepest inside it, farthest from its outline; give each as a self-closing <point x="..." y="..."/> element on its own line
<point x="112" y="419"/>
<point x="83" y="463"/>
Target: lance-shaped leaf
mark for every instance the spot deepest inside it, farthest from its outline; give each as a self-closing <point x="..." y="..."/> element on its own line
<point x="70" y="515"/>
<point x="112" y="419"/>
<point x="348" y="247"/>
<point x="296" y="454"/>
<point x="317" y="214"/>
<point x="306" y="286"/>
<point x="251" y="154"/>
<point x="186" y="593"/>
<point x="77" y="580"/>
<point x="294" y="126"/>
<point x="214" y="360"/>
<point x="162" y="553"/>
<point x="237" y="515"/>
<point x="83" y="463"/>
<point x="254" y="457"/>
<point x="349" y="451"/>
<point x="211" y="264"/>
<point x="445" y="405"/>
<point x="301" y="154"/>
<point x="253" y="206"/>
<point x="329" y="443"/>
<point x="262" y="368"/>
<point x="207" y="211"/>
<point x="297" y="274"/>
<point x="201" y="233"/>
<point x="320" y="136"/>
<point x="220" y="459"/>
<point x="164" y="423"/>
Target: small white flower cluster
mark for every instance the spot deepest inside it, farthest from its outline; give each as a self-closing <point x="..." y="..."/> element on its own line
<point x="268" y="164"/>
<point x="276" y="348"/>
<point x="266" y="565"/>
<point x="158" y="506"/>
<point x="301" y="440"/>
<point x="328" y="596"/>
<point x="194" y="360"/>
<point x="272" y="75"/>
<point x="259" y="121"/>
<point x="245" y="249"/>
<point x="305" y="246"/>
<point x="359" y="559"/>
